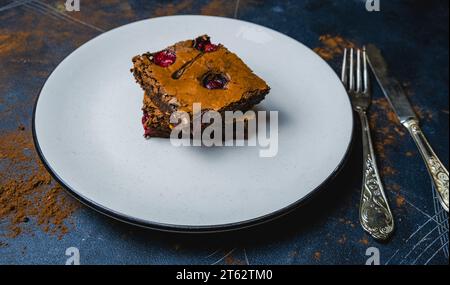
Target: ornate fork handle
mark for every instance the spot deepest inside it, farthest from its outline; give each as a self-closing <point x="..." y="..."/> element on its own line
<point x="374" y="213"/>
<point x="437" y="170"/>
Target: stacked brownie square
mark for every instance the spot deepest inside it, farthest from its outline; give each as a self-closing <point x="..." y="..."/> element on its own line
<point x="193" y="71"/>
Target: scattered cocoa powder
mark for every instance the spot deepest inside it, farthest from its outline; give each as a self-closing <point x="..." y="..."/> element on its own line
<point x="332" y="46"/>
<point x="394" y="187"/>
<point x="400" y="201"/>
<point x="171" y="8"/>
<point x="27" y="191"/>
<point x="364" y="241"/>
<point x="317" y="255"/>
<point x="387" y="135"/>
<point x="388" y="170"/>
<point x="13" y="41"/>
<point x="423" y="114"/>
<point x="409" y="154"/>
<point x="231" y="260"/>
<point x="226" y="8"/>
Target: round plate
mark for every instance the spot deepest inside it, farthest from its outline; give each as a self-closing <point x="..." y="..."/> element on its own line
<point x="88" y="133"/>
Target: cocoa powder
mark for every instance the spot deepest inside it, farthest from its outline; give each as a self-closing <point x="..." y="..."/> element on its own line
<point x="28" y="192"/>
<point x="332" y="46"/>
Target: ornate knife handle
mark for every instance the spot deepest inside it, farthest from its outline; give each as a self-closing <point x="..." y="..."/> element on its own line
<point x="375" y="215"/>
<point x="438" y="172"/>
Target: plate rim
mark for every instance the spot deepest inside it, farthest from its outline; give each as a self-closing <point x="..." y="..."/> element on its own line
<point x="187" y="228"/>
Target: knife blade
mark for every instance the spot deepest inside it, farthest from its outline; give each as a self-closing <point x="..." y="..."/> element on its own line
<point x="392" y="89"/>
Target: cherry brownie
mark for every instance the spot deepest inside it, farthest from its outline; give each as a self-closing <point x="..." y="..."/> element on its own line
<point x="196" y="71"/>
<point x="156" y="122"/>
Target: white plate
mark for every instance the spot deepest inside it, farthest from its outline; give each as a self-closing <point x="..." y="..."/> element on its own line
<point x="88" y="133"/>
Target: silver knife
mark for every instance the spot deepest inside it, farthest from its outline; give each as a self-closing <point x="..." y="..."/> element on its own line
<point x="405" y="113"/>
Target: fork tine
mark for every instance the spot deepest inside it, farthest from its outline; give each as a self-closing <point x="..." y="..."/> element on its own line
<point x="344" y="69"/>
<point x="358" y="71"/>
<point x="366" y="74"/>
<point x="351" y="75"/>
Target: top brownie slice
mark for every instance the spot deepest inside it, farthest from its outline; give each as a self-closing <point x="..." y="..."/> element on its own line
<point x="197" y="71"/>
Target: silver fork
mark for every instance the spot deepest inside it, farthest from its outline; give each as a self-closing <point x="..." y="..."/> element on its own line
<point x="374" y="213"/>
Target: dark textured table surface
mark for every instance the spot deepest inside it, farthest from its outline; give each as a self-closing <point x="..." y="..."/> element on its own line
<point x="36" y="35"/>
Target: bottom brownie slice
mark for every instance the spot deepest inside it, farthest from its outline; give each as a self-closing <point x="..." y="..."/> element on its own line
<point x="156" y="122"/>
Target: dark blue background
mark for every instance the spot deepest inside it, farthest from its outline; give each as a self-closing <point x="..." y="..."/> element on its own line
<point x="414" y="38"/>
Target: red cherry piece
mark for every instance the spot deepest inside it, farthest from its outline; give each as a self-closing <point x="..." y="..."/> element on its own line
<point x="148" y="132"/>
<point x="214" y="84"/>
<point x="210" y="47"/>
<point x="145" y="117"/>
<point x="215" y="81"/>
<point x="204" y="44"/>
<point x="164" y="58"/>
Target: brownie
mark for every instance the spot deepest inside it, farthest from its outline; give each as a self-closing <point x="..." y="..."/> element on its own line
<point x="194" y="71"/>
<point x="197" y="71"/>
<point x="156" y="123"/>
